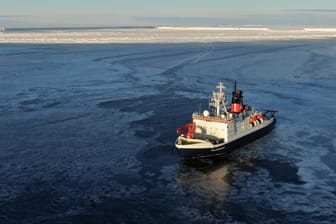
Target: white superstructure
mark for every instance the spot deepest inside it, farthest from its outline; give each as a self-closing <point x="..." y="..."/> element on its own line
<point x="223" y="125"/>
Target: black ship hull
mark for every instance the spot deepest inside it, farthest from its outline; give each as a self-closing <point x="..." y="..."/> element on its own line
<point x="222" y="149"/>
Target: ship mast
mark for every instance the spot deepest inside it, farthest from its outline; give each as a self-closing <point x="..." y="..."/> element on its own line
<point x="218" y="100"/>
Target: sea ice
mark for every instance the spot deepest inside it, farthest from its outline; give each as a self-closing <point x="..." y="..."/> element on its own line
<point x="166" y="35"/>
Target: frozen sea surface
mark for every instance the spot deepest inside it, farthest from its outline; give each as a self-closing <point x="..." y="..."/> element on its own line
<point x="87" y="133"/>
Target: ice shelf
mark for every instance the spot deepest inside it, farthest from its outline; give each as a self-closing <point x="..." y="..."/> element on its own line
<point x="166" y="35"/>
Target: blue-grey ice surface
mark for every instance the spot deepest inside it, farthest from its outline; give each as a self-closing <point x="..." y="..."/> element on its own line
<point x="87" y="133"/>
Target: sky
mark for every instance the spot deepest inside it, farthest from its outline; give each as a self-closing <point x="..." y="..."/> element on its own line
<point x="83" y="13"/>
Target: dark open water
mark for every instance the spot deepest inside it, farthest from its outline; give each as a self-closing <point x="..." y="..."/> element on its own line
<point x="87" y="133"/>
